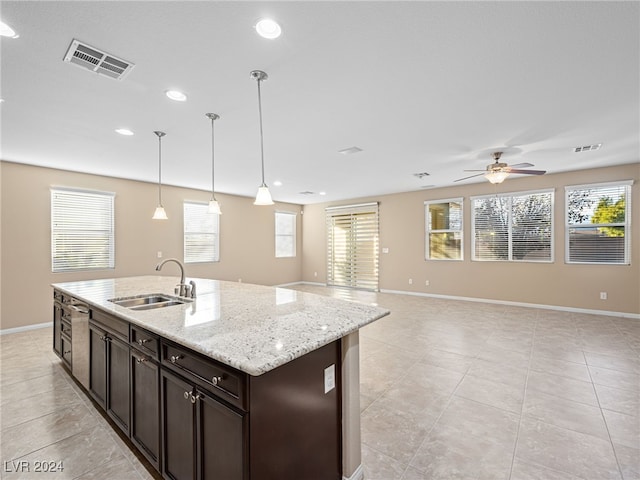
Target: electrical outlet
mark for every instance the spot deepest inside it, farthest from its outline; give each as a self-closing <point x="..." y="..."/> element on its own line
<point x="315" y="274"/>
<point x="426" y="283"/>
<point x="385" y="250"/>
<point x="411" y="281"/>
<point x="159" y="254"/>
<point x="603" y="295"/>
<point x="239" y="280"/>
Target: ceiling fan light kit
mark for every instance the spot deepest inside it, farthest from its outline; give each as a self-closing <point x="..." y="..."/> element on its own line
<point x="498" y="171"/>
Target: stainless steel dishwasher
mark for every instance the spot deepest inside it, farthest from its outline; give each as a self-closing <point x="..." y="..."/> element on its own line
<point x="79" y="315"/>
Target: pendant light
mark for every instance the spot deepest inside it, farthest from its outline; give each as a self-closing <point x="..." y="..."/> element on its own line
<point x="159" y="214"/>
<point x="263" y="196"/>
<point x="214" y="206"/>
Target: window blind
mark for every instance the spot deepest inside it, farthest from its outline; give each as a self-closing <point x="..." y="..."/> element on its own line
<point x="352" y="246"/>
<point x="285" y="227"/>
<point x="201" y="233"/>
<point x="82" y="230"/>
<point x="597" y="223"/>
<point x="513" y="227"/>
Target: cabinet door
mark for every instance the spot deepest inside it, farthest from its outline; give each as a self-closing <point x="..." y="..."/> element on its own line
<point x="178" y="423"/>
<point x="145" y="406"/>
<point x="57" y="316"/>
<point x="220" y="440"/>
<point x="98" y="364"/>
<point x="118" y="382"/>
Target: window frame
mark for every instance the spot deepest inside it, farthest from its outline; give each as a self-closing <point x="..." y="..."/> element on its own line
<point x="216" y="233"/>
<point x="428" y="230"/>
<point x="293" y="235"/>
<point x="510" y="196"/>
<point x="109" y="198"/>
<point x="627" y="223"/>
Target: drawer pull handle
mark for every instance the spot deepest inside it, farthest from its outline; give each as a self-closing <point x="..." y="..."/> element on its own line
<point x="67" y="352"/>
<point x="103" y="338"/>
<point x="175" y="358"/>
<point x="215" y="380"/>
<point x="142" y="341"/>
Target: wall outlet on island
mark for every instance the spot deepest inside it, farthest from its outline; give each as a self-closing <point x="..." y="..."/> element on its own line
<point x="411" y="281"/>
<point x="159" y="254"/>
<point x="426" y="283"/>
<point x="315" y="274"/>
<point x="239" y="280"/>
<point x="603" y="295"/>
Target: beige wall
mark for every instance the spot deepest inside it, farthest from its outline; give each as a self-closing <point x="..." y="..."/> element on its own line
<point x="246" y="249"/>
<point x="402" y="226"/>
<point x="25" y="263"/>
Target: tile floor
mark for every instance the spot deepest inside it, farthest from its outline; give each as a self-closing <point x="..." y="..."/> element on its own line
<point x="449" y="390"/>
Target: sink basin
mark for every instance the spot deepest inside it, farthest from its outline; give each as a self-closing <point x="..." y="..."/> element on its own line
<point x="148" y="302"/>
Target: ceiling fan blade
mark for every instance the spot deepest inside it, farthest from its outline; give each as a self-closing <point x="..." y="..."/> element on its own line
<point x="465" y="178"/>
<point x="475" y="170"/>
<point x="521" y="165"/>
<point x="527" y="172"/>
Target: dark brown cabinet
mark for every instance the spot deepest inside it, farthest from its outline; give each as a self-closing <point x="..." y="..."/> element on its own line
<point x="109" y="373"/>
<point x="145" y="395"/>
<point x="195" y="418"/>
<point x="202" y="438"/>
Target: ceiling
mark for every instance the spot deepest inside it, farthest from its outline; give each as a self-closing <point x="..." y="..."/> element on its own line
<point x="420" y="87"/>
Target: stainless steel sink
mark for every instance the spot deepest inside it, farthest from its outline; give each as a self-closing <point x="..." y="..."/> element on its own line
<point x="148" y="302"/>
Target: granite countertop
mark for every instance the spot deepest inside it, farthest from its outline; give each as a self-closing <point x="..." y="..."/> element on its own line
<point x="252" y="328"/>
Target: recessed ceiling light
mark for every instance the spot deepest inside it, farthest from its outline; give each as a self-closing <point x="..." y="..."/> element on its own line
<point x="7" y="31"/>
<point x="322" y="193"/>
<point x="277" y="183"/>
<point x="350" y="150"/>
<point x="268" y="28"/>
<point x="124" y="131"/>
<point x="176" y="95"/>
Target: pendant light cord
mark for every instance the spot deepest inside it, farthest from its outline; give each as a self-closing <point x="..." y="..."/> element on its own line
<point x="213" y="195"/>
<point x="261" y="135"/>
<point x="160" y="170"/>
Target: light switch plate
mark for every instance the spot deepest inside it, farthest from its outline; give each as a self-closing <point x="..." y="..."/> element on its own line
<point x="329" y="378"/>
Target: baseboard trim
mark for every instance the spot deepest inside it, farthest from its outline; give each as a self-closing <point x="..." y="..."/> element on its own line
<point x="358" y="474"/>
<point x="26" y="328"/>
<point x="635" y="316"/>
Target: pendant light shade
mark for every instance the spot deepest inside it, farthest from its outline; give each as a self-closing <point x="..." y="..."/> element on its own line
<point x="214" y="206"/>
<point x="263" y="196"/>
<point x="160" y="214"/>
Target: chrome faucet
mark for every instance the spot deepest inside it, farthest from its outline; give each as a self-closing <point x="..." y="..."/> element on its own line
<point x="182" y="289"/>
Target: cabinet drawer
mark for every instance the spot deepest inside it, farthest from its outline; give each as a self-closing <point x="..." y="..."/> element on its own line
<point x="65" y="347"/>
<point x="218" y="379"/>
<point x="145" y="341"/>
<point x="65" y="327"/>
<point x="111" y="324"/>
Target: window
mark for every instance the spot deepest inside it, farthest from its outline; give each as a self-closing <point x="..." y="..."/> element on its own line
<point x="597" y="223"/>
<point x="352" y="246"/>
<point x="285" y="234"/>
<point x="82" y="235"/>
<point x="513" y="227"/>
<point x="201" y="234"/>
<point x="444" y="229"/>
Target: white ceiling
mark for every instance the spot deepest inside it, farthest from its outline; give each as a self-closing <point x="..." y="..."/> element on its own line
<point x="419" y="86"/>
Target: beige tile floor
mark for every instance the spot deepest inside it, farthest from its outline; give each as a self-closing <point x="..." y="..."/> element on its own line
<point x="449" y="390"/>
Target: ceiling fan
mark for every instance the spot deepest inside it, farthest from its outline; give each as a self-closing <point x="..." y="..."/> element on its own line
<point x="498" y="171"/>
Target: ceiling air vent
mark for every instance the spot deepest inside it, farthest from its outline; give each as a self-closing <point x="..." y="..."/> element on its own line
<point x="97" y="61"/>
<point x="350" y="150"/>
<point x="307" y="192"/>
<point x="421" y="174"/>
<point x="587" y="148"/>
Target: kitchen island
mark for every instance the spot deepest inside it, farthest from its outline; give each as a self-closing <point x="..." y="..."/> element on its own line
<point x="243" y="381"/>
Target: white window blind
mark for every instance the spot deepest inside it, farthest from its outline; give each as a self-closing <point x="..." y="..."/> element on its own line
<point x="201" y="233"/>
<point x="352" y="246"/>
<point x="598" y="218"/>
<point x="285" y="234"/>
<point x="513" y="227"/>
<point x="82" y="231"/>
<point x="443" y="238"/>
